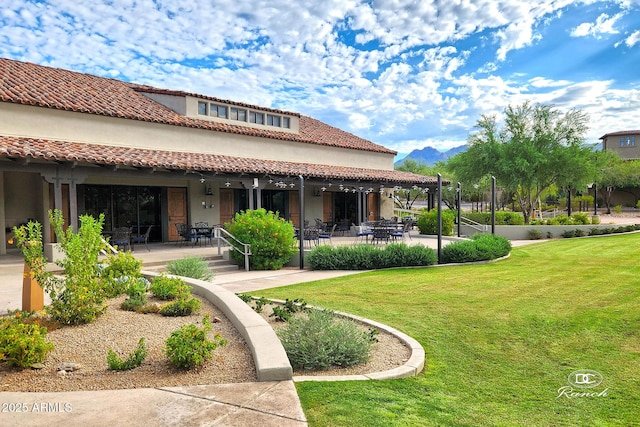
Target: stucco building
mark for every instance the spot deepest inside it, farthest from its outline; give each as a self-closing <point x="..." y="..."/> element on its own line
<point x="147" y="156"/>
<point x="623" y="143"/>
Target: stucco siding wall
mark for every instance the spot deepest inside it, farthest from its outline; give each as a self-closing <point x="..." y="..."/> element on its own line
<point x="23" y="197"/>
<point x="37" y="122"/>
<point x="612" y="143"/>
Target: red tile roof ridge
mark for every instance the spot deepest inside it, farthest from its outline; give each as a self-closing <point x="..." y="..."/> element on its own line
<point x="38" y="85"/>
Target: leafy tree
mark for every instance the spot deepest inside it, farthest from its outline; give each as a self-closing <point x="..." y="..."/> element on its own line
<point x="615" y="173"/>
<point x="405" y="199"/>
<point x="538" y="146"/>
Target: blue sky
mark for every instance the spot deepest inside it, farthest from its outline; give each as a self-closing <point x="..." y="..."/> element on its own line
<point x="404" y="74"/>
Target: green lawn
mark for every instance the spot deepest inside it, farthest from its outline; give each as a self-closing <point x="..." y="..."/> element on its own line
<point x="500" y="339"/>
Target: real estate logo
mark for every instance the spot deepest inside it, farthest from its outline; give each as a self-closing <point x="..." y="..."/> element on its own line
<point x="583" y="379"/>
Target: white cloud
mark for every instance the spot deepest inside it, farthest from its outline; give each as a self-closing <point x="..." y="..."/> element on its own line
<point x="633" y="39"/>
<point x="404" y="79"/>
<point x="603" y="25"/>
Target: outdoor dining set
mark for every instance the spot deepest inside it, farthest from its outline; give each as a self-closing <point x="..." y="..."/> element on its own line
<point x="374" y="232"/>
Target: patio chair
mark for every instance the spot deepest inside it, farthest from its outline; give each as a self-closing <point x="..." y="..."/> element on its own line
<point x="323" y="235"/>
<point x="380" y="234"/>
<point x="121" y="238"/>
<point x="203" y="230"/>
<point x="184" y="231"/>
<point x="363" y="232"/>
<point x="142" y="238"/>
<point x="311" y="236"/>
<point x="406" y="228"/>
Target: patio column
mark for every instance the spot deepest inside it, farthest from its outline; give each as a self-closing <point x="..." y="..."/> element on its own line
<point x="3" y="244"/>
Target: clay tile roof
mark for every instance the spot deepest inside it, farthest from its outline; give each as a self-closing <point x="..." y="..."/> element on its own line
<point x="621" y="133"/>
<point x="31" y="84"/>
<point x="63" y="151"/>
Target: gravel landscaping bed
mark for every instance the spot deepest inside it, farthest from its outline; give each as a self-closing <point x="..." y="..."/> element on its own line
<point x="120" y="330"/>
<point x="387" y="353"/>
<point x="88" y="345"/>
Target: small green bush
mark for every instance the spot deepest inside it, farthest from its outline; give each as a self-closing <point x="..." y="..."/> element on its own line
<point x="581" y="218"/>
<point x="133" y="303"/>
<point x="534" y="234"/>
<point x="189" y="347"/>
<point x="137" y="291"/>
<point x="481" y="247"/>
<point x="118" y="271"/>
<point x="428" y="222"/>
<point x="181" y="307"/>
<point x="272" y="239"/>
<point x="285" y="312"/>
<point x="368" y="257"/>
<point x="134" y="360"/>
<point x="319" y="339"/>
<point x="168" y="288"/>
<point x="194" y="267"/>
<point x="23" y="344"/>
<point x="281" y="314"/>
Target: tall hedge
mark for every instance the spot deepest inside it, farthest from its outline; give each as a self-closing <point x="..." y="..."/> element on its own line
<point x="428" y="222"/>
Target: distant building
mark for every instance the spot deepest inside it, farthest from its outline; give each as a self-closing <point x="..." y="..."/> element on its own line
<point x="626" y="143"/>
<point x="146" y="156"/>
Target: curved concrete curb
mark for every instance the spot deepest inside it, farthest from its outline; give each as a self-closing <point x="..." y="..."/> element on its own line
<point x="411" y="367"/>
<point x="272" y="363"/>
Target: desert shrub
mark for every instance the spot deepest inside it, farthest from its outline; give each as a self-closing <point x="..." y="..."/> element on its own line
<point x="534" y="234"/>
<point x="581" y="218"/>
<point x="189" y="347"/>
<point x="181" y="307"/>
<point x="168" y="288"/>
<point x="280" y="314"/>
<point x="285" y="312"/>
<point x="77" y="296"/>
<point x="134" y="360"/>
<point x="194" y="267"/>
<point x="137" y="294"/>
<point x="428" y="222"/>
<point x="617" y="209"/>
<point x="368" y="257"/>
<point x="319" y="339"/>
<point x="481" y="247"/>
<point x="567" y="234"/>
<point x="118" y="271"/>
<point x="23" y="344"/>
<point x="579" y="233"/>
<point x="272" y="239"/>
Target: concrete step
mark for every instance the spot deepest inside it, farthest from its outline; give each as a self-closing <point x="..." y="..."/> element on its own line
<point x="215" y="262"/>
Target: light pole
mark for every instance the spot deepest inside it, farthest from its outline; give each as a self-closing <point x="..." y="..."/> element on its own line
<point x="477" y="196"/>
<point x="458" y="200"/>
<point x="493" y="205"/>
<point x="439" y="226"/>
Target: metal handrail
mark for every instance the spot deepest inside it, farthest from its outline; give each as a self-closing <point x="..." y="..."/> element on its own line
<point x="218" y="234"/>
<point x="475" y="225"/>
<point x="108" y="246"/>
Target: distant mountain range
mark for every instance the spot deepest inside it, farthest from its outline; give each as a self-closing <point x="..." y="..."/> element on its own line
<point x="429" y="155"/>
